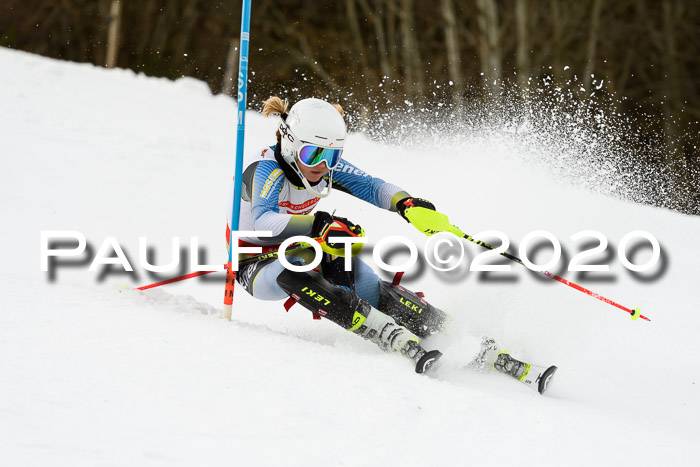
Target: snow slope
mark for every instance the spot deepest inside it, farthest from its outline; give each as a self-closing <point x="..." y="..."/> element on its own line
<point x="94" y="373"/>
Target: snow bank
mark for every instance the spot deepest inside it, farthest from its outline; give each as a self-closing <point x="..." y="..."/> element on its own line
<point x="95" y="373"/>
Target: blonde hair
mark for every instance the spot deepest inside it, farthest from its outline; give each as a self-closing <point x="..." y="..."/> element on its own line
<point x="276" y="106"/>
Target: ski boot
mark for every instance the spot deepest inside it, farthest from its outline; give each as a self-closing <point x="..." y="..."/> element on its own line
<point x="536" y="377"/>
<point x="491" y="356"/>
<point x="355" y="314"/>
<point x="510" y="366"/>
<point x="390" y="337"/>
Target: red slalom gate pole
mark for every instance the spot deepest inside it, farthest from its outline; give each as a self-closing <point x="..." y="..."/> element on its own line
<point x="174" y="279"/>
<point x="228" y="292"/>
<point x="634" y="312"/>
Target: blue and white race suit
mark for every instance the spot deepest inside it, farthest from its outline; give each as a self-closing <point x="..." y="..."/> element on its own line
<point x="271" y="202"/>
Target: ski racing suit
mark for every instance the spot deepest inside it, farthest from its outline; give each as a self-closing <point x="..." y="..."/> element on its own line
<point x="273" y="199"/>
<point x="272" y="202"/>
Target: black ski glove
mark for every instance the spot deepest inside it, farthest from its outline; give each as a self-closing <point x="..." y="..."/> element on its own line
<point x="406" y="203"/>
<point x="326" y="226"/>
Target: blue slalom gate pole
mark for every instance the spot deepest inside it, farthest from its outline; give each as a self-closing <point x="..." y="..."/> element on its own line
<point x="240" y="137"/>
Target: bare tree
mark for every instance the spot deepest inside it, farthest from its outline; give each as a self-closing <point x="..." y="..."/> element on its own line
<point x="391" y="15"/>
<point x="556" y="39"/>
<point x="670" y="84"/>
<point x="523" y="47"/>
<point x="146" y="25"/>
<point x="167" y="18"/>
<point x="185" y="30"/>
<point x="230" y="82"/>
<point x="593" y="31"/>
<point x="115" y="15"/>
<point x="360" y="52"/>
<point x="304" y="53"/>
<point x="413" y="70"/>
<point x="489" y="44"/>
<point x="454" y="61"/>
<point x="382" y="54"/>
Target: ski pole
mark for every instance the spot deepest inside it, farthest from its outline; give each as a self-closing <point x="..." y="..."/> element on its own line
<point x="634" y="312"/>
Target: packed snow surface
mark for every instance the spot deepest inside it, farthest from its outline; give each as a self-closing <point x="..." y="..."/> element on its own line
<point x="95" y="373"/>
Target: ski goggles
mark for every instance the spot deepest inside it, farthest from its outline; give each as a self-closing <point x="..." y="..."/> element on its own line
<point x="312" y="156"/>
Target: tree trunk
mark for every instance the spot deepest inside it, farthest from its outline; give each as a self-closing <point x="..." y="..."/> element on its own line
<point x="489" y="44"/>
<point x="391" y="15"/>
<point x="115" y="13"/>
<point x="382" y="54"/>
<point x="305" y="54"/>
<point x="186" y="27"/>
<point x="523" y="48"/>
<point x="557" y="69"/>
<point x="671" y="84"/>
<point x="413" y="72"/>
<point x="592" y="44"/>
<point x="161" y="33"/>
<point x="146" y="27"/>
<point x="357" y="36"/>
<point x="228" y="86"/>
<point x="454" y="62"/>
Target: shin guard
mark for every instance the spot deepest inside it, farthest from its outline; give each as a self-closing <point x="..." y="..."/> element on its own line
<point x="410" y="310"/>
<point x="348" y="310"/>
<point x="332" y="302"/>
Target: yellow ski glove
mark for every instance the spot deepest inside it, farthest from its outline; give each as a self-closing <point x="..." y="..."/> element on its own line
<point x="422" y="214"/>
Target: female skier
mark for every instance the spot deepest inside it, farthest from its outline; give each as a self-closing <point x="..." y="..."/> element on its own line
<point x="282" y="184"/>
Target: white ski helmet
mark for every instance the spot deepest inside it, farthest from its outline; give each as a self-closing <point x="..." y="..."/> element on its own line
<point x="312" y="132"/>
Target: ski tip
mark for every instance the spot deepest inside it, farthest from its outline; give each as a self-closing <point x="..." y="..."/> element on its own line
<point x="545" y="378"/>
<point x="427" y="360"/>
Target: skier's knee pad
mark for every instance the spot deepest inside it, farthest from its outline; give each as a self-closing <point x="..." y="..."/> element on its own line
<point x="410" y="310"/>
<point x="333" y="302"/>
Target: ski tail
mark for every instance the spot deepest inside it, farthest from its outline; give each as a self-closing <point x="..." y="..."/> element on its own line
<point x="545" y="378"/>
<point x="537" y="377"/>
<point x="427" y="360"/>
